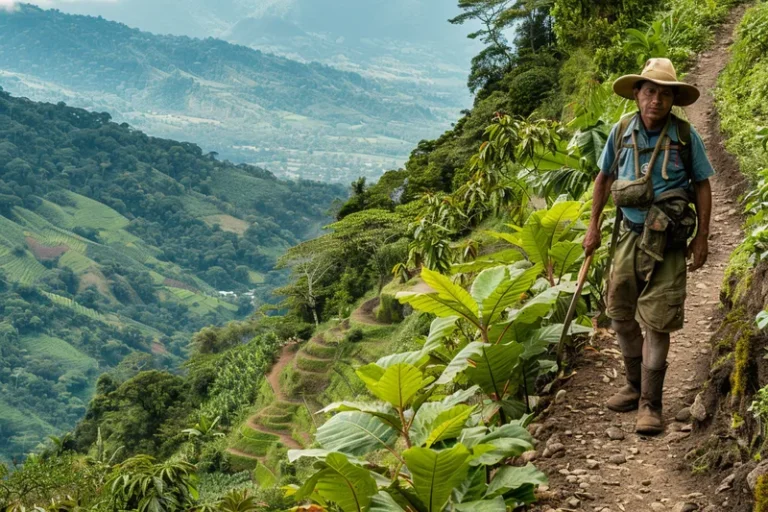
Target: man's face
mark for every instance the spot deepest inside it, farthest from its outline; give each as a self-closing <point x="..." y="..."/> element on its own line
<point x="655" y="101"/>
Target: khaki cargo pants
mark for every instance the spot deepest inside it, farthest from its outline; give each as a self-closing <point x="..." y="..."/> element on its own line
<point x="658" y="303"/>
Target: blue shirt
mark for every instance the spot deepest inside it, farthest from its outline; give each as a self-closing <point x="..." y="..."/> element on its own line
<point x="702" y="168"/>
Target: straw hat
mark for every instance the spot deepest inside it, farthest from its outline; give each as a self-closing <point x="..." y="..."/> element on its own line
<point x="659" y="71"/>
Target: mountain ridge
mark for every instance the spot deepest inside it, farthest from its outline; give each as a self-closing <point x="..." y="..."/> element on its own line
<point x="298" y="119"/>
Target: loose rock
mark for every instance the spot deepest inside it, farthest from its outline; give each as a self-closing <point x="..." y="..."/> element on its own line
<point x="756" y="473"/>
<point x="683" y="415"/>
<point x="616" y="434"/>
<point x="697" y="409"/>
<point x="726" y="484"/>
<point x="617" y="459"/>
<point x="553" y="449"/>
<point x="574" y="502"/>
<point x="686" y="507"/>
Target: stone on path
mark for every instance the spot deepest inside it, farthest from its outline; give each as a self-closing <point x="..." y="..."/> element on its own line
<point x="726" y="484"/>
<point x="615" y="434"/>
<point x="685" y="507"/>
<point x="697" y="409"/>
<point x="617" y="459"/>
<point x="683" y="415"/>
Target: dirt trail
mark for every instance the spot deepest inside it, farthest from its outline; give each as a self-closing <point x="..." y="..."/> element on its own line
<point x="241" y="453"/>
<point x="287" y="355"/>
<point x="600" y="464"/>
<point x="364" y="314"/>
<point x="287" y="440"/>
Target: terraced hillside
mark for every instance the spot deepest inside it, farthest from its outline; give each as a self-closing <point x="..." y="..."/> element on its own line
<point x="114" y="243"/>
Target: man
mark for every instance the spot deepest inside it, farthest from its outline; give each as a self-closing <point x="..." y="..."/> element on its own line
<point x="648" y="277"/>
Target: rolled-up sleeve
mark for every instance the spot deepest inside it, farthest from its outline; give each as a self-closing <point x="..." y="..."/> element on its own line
<point x="702" y="167"/>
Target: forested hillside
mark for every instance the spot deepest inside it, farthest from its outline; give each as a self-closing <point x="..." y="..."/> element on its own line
<point x="422" y="362"/>
<point x="305" y="120"/>
<point x="114" y="244"/>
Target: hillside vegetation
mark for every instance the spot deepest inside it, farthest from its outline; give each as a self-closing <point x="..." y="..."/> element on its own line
<point x="418" y="393"/>
<point x="308" y="120"/>
<point x="114" y="243"/>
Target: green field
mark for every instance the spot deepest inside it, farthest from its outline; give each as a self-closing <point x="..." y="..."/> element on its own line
<point x="49" y="348"/>
<point x="74" y="306"/>
<point x="23" y="268"/>
<point x="200" y="304"/>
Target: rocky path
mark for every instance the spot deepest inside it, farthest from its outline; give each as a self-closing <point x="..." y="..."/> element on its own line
<point x="364" y="314"/>
<point x="594" y="459"/>
<point x="287" y="355"/>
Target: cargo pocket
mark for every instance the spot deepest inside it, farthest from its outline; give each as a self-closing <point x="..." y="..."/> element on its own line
<point x="674" y="314"/>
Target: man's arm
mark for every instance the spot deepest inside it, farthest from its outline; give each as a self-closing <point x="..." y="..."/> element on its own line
<point x="699" y="247"/>
<point x="600" y="195"/>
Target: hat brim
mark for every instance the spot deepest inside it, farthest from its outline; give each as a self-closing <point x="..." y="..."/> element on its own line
<point x="686" y="93"/>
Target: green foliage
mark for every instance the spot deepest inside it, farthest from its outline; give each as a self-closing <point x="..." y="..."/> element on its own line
<point x="142" y="484"/>
<point x="741" y="105"/>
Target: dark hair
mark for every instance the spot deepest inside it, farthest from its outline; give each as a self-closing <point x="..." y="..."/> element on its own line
<point x="639" y="84"/>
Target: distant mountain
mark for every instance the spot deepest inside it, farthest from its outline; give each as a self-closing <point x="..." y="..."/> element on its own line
<point x="301" y="119"/>
<point x="115" y="247"/>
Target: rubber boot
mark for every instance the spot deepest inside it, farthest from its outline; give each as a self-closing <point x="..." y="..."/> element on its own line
<point x="649" y="419"/>
<point x="627" y="398"/>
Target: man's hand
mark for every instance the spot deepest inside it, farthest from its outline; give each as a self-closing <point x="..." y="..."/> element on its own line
<point x="699" y="249"/>
<point x="592" y="240"/>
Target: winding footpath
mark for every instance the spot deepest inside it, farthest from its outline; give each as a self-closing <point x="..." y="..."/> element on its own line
<point x="593" y="457"/>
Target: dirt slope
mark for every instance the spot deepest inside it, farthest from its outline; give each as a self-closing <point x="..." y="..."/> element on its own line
<point x="600" y="464"/>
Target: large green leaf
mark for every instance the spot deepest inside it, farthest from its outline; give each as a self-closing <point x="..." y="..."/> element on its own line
<point x="384" y="502"/>
<point x="590" y="142"/>
<point x="563" y="255"/>
<point x="534" y="239"/>
<point x="355" y="433"/>
<point x="510" y="478"/>
<point x="398" y="384"/>
<point x="384" y="412"/>
<point x="438" y="331"/>
<point x="495" y="259"/>
<point x="426" y="417"/>
<point x="486" y="282"/>
<point x="473" y="487"/>
<point x="536" y="308"/>
<point x="505" y="293"/>
<point x="560" y="218"/>
<point x="416" y="358"/>
<point x="509" y="440"/>
<point x="494" y="368"/>
<point x="263" y="476"/>
<point x="545" y="160"/>
<point x="448" y="290"/>
<point x="436" y="473"/>
<point x="350" y="487"/>
<point x="460" y="362"/>
<point x="448" y="424"/>
<point x="494" y="505"/>
<point x="433" y="303"/>
<point x="424" y="421"/>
